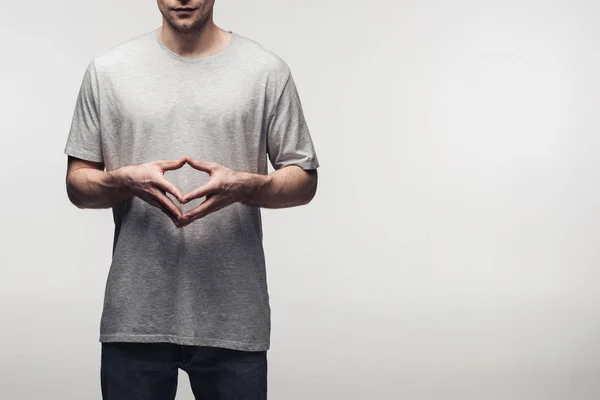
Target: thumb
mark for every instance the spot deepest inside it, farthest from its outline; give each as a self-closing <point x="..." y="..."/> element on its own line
<point x="167" y="186"/>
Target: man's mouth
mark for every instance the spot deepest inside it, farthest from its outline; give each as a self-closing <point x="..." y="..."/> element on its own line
<point x="184" y="9"/>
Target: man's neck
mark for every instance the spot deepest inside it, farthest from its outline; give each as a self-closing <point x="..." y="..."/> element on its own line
<point x="207" y="41"/>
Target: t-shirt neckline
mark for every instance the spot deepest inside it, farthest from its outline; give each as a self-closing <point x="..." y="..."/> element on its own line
<point x="194" y="60"/>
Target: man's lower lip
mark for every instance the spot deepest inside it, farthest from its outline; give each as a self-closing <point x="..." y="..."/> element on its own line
<point x="181" y="10"/>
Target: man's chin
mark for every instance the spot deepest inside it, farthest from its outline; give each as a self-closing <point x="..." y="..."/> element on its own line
<point x="185" y="28"/>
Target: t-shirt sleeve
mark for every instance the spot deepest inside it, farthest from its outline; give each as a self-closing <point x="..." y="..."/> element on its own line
<point x="288" y="138"/>
<point x="84" y="140"/>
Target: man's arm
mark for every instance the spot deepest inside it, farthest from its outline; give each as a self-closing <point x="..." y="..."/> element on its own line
<point x="89" y="186"/>
<point x="287" y="187"/>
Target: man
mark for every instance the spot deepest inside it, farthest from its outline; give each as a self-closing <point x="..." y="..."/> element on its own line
<point x="187" y="289"/>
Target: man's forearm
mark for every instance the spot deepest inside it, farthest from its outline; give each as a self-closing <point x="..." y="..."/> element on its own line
<point x="287" y="187"/>
<point x="91" y="188"/>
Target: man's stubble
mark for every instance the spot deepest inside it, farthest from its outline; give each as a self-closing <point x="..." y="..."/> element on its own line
<point x="188" y="28"/>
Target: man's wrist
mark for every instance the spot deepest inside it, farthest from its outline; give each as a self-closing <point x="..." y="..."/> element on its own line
<point x="117" y="180"/>
<point x="253" y="186"/>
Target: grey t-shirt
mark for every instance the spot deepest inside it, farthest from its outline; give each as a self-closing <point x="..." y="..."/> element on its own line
<point x="204" y="284"/>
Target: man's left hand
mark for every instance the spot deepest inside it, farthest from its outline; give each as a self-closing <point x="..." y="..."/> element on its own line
<point x="224" y="187"/>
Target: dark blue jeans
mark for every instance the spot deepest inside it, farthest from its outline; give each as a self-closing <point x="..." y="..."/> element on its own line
<point x="148" y="371"/>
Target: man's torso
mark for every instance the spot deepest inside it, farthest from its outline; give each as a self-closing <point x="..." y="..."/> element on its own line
<point x="204" y="284"/>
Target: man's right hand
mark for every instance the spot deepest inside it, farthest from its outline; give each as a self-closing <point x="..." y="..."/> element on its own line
<point x="147" y="181"/>
<point x="89" y="186"/>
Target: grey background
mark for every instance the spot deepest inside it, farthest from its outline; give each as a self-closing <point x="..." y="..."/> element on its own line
<point x="451" y="251"/>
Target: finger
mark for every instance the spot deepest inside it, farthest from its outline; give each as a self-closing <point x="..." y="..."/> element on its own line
<point x="171" y="164"/>
<point x="169" y="214"/>
<point x="167" y="203"/>
<point x="167" y="186"/>
<point x="202" y="165"/>
<point x="208" y="206"/>
<point x="154" y="202"/>
<point x="200" y="192"/>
